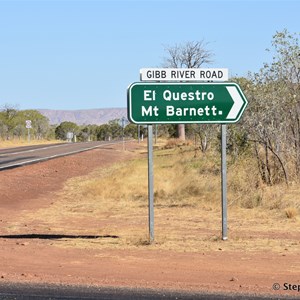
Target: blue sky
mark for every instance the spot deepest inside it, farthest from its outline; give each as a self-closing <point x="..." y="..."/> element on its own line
<point x="84" y="54"/>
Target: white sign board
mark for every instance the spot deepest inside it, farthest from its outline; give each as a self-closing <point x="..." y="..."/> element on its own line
<point x="183" y="74"/>
<point x="28" y="124"/>
<point x="70" y="135"/>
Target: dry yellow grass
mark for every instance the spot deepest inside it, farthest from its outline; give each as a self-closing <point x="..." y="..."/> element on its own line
<point x="291" y="212"/>
<point x="22" y="142"/>
<point x="187" y="207"/>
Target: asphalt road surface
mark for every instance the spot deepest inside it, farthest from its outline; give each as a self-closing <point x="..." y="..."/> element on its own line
<point x="18" y="291"/>
<point x="15" y="157"/>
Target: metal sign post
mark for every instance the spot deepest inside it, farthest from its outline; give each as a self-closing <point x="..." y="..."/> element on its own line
<point x="224" y="182"/>
<point x="150" y="184"/>
<point x="139" y="133"/>
<point x="28" y="134"/>
<point x="28" y="126"/>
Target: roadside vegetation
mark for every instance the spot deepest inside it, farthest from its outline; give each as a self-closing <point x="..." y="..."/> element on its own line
<point x="263" y="152"/>
<point x="13" y="129"/>
<point x="112" y="203"/>
<point x="268" y="133"/>
<point x="186" y="177"/>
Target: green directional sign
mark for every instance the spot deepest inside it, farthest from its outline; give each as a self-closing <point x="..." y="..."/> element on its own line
<point x="166" y="102"/>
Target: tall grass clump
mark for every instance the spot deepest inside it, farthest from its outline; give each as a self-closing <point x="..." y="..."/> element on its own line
<point x="182" y="179"/>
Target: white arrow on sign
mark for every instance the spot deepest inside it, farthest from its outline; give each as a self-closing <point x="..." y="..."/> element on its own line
<point x="237" y="102"/>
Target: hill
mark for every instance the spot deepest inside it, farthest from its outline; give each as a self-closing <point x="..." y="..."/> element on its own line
<point x="85" y="116"/>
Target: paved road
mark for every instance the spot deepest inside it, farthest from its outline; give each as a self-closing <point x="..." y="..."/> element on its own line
<point x="61" y="292"/>
<point x="15" y="157"/>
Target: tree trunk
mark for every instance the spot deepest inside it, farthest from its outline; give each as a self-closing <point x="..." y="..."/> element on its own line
<point x="181" y="132"/>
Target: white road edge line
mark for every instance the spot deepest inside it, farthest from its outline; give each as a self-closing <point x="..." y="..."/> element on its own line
<point x="55" y="156"/>
<point x="32" y="150"/>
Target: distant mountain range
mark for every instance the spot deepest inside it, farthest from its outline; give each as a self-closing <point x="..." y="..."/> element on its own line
<point x="85" y="116"/>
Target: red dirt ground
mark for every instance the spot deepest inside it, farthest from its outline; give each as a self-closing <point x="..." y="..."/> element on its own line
<point x="38" y="260"/>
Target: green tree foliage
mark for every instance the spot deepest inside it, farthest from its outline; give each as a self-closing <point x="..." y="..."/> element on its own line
<point x="65" y="127"/>
<point x="114" y="130"/>
<point x="40" y="124"/>
<point x="131" y="131"/>
<point x="103" y="132"/>
<point x="13" y="123"/>
<point x="8" y="121"/>
<point x="272" y="119"/>
<point x="87" y="133"/>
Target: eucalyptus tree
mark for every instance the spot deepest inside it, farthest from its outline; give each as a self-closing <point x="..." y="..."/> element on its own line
<point x="193" y="54"/>
<point x="13" y="123"/>
<point x="40" y="123"/>
<point x="8" y="120"/>
<point x="103" y="132"/>
<point x="65" y="127"/>
<point x="273" y="115"/>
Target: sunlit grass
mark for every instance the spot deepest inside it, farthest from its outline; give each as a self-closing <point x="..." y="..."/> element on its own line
<point x="187" y="194"/>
